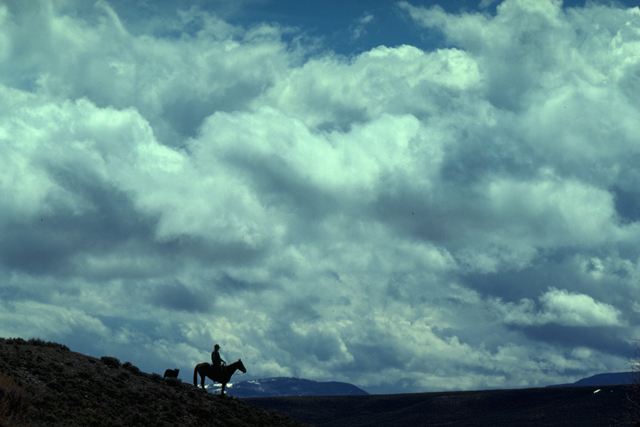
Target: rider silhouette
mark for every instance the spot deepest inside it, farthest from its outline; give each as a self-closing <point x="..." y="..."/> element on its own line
<point x="216" y="359"/>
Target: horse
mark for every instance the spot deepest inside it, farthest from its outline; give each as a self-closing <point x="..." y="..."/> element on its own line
<point x="221" y="376"/>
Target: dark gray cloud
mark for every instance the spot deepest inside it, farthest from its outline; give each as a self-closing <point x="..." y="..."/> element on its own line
<point x="590" y="337"/>
<point x="627" y="203"/>
<point x="177" y="296"/>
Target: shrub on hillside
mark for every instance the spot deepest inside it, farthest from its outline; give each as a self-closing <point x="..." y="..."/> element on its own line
<point x="42" y="343"/>
<point x="132" y="368"/>
<point x="110" y="361"/>
<point x="36" y="342"/>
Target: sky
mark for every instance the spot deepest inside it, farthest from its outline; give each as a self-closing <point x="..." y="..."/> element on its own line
<point x="407" y="196"/>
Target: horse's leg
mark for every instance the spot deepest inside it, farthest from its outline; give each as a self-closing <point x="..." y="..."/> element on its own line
<point x="202" y="378"/>
<point x="222" y="389"/>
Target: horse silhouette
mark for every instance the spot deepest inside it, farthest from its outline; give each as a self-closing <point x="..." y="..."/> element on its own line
<point x="221" y="376"/>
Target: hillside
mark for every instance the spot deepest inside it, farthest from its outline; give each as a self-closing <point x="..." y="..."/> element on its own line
<point x="44" y="383"/>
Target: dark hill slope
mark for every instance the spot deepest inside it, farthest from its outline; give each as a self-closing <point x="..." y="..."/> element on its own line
<point x="533" y="407"/>
<point x="43" y="383"/>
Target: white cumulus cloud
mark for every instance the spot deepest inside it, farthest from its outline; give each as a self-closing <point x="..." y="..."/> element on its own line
<point x="563" y="308"/>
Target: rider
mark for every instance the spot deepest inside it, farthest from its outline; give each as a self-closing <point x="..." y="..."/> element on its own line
<point x="216" y="359"/>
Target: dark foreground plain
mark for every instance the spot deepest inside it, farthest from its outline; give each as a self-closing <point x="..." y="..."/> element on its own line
<point x="532" y="407"/>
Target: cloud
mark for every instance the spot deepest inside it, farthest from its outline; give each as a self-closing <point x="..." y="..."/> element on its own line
<point x="47" y="320"/>
<point x="359" y="29"/>
<point x="178" y="297"/>
<point x="486" y="3"/>
<point x="563" y="308"/>
<point x="174" y="82"/>
<point x="330" y="92"/>
<point x="403" y="219"/>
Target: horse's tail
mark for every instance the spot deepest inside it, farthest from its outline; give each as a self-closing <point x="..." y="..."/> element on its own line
<point x="195" y="376"/>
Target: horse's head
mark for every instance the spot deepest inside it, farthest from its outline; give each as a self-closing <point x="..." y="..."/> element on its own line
<point x="241" y="366"/>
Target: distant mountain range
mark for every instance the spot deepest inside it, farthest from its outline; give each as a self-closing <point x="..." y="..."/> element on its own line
<point x="616" y="378"/>
<point x="284" y="387"/>
<point x="277" y="387"/>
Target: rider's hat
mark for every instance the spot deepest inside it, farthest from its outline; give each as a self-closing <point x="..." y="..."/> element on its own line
<point x="216" y="346"/>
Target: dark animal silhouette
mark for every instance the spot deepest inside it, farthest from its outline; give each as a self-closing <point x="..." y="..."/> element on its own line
<point x="221" y="376"/>
<point x="171" y="373"/>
